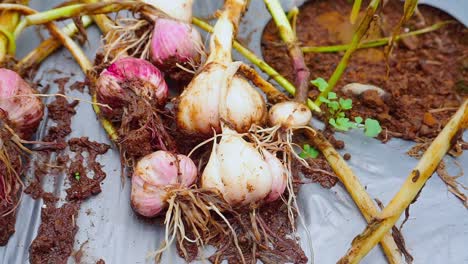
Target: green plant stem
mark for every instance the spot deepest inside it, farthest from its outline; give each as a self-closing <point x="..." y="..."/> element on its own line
<point x="412" y="186"/>
<point x="355" y="11"/>
<point x="9" y="20"/>
<point x="270" y="71"/>
<point x="48" y="46"/>
<point x="74" y="11"/>
<point x="375" y="42"/>
<point x="289" y="37"/>
<point x="358" y="35"/>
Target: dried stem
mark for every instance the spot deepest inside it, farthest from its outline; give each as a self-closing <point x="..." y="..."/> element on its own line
<point x="288" y="36"/>
<point x="262" y="65"/>
<point x="74" y="11"/>
<point x="358" y="35"/>
<point x="375" y="42"/>
<point x="47" y="47"/>
<point x="426" y="166"/>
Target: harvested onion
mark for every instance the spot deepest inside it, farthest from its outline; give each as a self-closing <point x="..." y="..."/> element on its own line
<point x="130" y="75"/>
<point x="175" y="41"/>
<point x="154" y="175"/>
<point x="20" y="107"/>
<point x="289" y="114"/>
<point x="241" y="173"/>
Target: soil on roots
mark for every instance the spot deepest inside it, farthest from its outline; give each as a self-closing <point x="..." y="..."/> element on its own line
<point x="10" y="186"/>
<point x="428" y="74"/>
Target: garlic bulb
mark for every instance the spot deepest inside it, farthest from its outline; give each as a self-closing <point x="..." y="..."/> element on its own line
<point x="20" y="107"/>
<point x="240" y="173"/>
<point x="175" y="42"/>
<point x="289" y="114"/>
<point x="198" y="109"/>
<point x="279" y="176"/>
<point x="154" y="174"/>
<point x="135" y="75"/>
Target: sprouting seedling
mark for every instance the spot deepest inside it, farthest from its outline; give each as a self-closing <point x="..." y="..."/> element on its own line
<point x="309" y="152"/>
<point x="337" y="108"/>
<point x="77" y="176"/>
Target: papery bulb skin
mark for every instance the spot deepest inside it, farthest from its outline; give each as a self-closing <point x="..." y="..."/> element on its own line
<point x="126" y="76"/>
<point x="198" y="108"/>
<point x="245" y="105"/>
<point x="155" y="173"/>
<point x="175" y="43"/>
<point x="238" y="171"/>
<point x="20" y="107"/>
<point x="289" y="114"/>
<point x="198" y="105"/>
<point x="278" y="174"/>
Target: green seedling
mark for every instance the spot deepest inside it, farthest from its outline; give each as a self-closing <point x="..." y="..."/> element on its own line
<point x="308" y="152"/>
<point x="77" y="176"/>
<point x="337" y="108"/>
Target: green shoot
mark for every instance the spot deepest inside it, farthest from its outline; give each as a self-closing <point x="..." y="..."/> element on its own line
<point x="77" y="176"/>
<point x="355" y="11"/>
<point x="337" y="116"/>
<point x="372" y="127"/>
<point x="309" y="152"/>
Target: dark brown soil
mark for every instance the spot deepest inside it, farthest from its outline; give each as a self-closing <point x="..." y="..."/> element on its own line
<point x="83" y="186"/>
<point x="56" y="235"/>
<point x="428" y="74"/>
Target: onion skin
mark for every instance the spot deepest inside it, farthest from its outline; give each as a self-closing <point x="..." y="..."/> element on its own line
<point x="200" y="105"/>
<point x="175" y="42"/>
<point x="279" y="174"/>
<point x="154" y="174"/>
<point x="241" y="174"/>
<point x="23" y="113"/>
<point x="139" y="75"/>
<point x="289" y="114"/>
<point x="245" y="105"/>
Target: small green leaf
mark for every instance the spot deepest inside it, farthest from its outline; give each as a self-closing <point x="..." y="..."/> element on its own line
<point x="346" y="104"/>
<point x="324" y="100"/>
<point x="332" y="95"/>
<point x="334" y="105"/>
<point x="320" y="83"/>
<point x="309" y="152"/>
<point x="332" y="122"/>
<point x="358" y="120"/>
<point x="343" y="123"/>
<point x="341" y="114"/>
<point x="77" y="176"/>
<point x="372" y="127"/>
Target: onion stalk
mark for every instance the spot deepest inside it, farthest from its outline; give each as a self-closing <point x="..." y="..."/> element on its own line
<point x="416" y="180"/>
<point x="290" y="39"/>
<point x="375" y="42"/>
